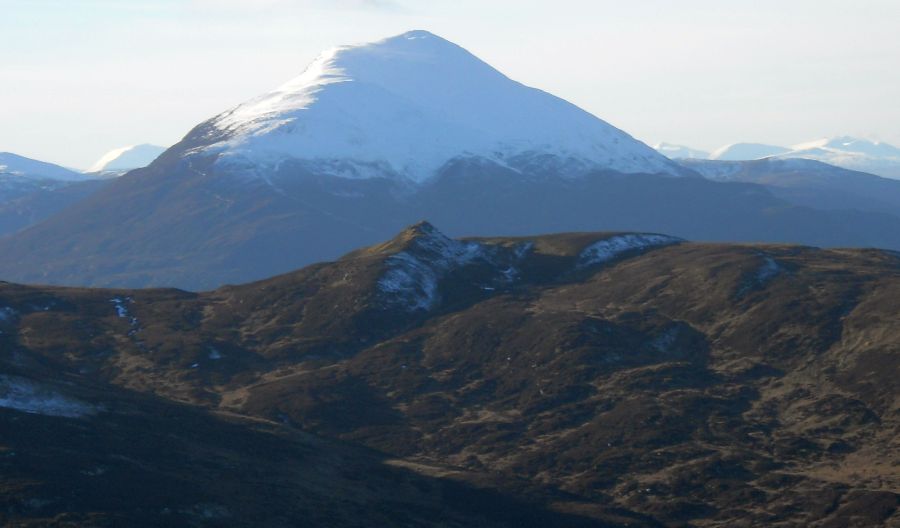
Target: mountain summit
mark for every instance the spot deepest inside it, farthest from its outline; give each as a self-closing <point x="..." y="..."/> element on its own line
<point x="404" y="107"/>
<point x="13" y="165"/>
<point x="128" y="158"/>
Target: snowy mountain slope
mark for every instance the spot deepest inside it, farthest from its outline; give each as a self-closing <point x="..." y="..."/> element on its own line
<point x="20" y="166"/>
<point x="852" y="153"/>
<point x="127" y="158"/>
<point x="613" y="247"/>
<point x="672" y="151"/>
<point x="746" y="151"/>
<point x="405" y="106"/>
<point x="848" y="152"/>
<point x="875" y="149"/>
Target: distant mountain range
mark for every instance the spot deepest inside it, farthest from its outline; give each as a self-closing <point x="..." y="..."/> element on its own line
<point x="32" y="190"/>
<point x="847" y="152"/>
<point x="13" y="165"/>
<point x="376" y="136"/>
<point x="678" y="152"/>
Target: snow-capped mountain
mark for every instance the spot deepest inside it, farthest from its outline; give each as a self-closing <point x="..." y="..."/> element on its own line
<point x="851" y="153"/>
<point x="746" y="151"/>
<point x="20" y="166"/>
<point x="404" y="107"/>
<point x="848" y="144"/>
<point x="847" y="152"/>
<point x="672" y="151"/>
<point x="375" y="137"/>
<point x="127" y="158"/>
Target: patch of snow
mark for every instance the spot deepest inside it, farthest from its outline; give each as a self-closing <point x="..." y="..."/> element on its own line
<point x="121" y="306"/>
<point x="767" y="270"/>
<point x="27" y="396"/>
<point x="214" y="353"/>
<point x="404" y="106"/>
<point x="523" y="249"/>
<point x="412" y="278"/>
<point x="615" y="246"/>
<point x="42" y="307"/>
<point x="510" y="273"/>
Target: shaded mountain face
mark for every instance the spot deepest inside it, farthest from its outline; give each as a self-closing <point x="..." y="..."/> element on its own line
<point x="197" y="230"/>
<point x="620" y="379"/>
<point x="808" y="183"/>
<point x="25" y="202"/>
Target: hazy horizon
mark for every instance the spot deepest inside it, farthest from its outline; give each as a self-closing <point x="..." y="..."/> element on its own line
<point x="83" y="77"/>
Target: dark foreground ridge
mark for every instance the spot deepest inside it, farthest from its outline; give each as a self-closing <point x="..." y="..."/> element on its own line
<point x="588" y="379"/>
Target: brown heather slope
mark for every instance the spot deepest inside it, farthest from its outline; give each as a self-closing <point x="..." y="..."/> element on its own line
<point x="682" y="385"/>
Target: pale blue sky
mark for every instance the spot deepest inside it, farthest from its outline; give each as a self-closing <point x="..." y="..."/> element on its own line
<point x="80" y="77"/>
